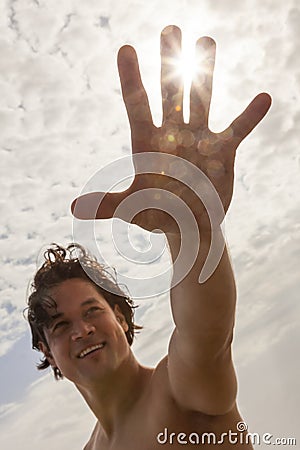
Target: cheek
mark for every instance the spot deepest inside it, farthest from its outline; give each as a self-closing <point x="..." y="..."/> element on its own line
<point x="59" y="351"/>
<point x="113" y="331"/>
<point x="122" y="340"/>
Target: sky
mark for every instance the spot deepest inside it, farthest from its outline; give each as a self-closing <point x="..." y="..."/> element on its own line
<point x="62" y="118"/>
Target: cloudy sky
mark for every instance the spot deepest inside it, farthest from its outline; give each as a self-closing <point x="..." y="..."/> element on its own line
<point x="62" y="118"/>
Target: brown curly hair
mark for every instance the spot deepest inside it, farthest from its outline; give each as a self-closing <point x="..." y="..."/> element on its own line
<point x="62" y="264"/>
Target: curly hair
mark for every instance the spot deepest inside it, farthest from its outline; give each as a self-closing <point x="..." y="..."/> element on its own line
<point x="63" y="264"/>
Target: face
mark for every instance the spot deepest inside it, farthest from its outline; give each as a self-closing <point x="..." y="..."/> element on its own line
<point x="86" y="337"/>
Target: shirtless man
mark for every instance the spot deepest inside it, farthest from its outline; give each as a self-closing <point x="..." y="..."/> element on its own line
<point x="189" y="398"/>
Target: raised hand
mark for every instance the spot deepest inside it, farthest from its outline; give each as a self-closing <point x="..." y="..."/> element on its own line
<point x="212" y="153"/>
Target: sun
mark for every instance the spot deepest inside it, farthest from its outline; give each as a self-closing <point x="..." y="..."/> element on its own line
<point x="186" y="65"/>
<point x="189" y="63"/>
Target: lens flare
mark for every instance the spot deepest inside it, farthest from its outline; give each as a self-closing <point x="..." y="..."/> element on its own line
<point x="189" y="65"/>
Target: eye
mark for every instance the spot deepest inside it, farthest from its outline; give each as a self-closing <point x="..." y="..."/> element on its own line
<point x="60" y="325"/>
<point x="92" y="310"/>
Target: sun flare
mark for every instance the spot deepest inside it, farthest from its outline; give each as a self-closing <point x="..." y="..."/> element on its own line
<point x="187" y="66"/>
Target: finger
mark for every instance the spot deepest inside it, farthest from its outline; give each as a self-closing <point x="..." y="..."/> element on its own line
<point x="201" y="89"/>
<point x="97" y="205"/>
<point x="171" y="78"/>
<point x="134" y="94"/>
<point x="253" y="114"/>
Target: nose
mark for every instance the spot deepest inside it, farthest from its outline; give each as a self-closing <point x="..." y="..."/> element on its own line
<point x="82" y="329"/>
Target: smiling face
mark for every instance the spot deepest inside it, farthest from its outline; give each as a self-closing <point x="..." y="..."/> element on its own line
<point x="86" y="337"/>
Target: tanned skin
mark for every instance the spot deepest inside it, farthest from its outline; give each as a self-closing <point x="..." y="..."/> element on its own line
<point x="193" y="388"/>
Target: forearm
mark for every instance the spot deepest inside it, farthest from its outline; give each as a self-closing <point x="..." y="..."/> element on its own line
<point x="203" y="313"/>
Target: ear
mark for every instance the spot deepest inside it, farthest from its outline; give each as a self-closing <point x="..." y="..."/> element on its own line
<point x="45" y="349"/>
<point x="121" y="318"/>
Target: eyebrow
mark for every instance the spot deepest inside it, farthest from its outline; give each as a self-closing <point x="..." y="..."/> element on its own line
<point x="89" y="301"/>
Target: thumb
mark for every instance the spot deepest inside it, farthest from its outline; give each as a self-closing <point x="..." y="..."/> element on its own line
<point x="97" y="205"/>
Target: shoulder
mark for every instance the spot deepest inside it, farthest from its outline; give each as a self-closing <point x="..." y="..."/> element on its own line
<point x="90" y="445"/>
<point x="160" y="376"/>
<point x="160" y="384"/>
<point x="189" y="394"/>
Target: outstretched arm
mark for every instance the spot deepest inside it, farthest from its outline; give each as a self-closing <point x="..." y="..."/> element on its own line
<point x="200" y="367"/>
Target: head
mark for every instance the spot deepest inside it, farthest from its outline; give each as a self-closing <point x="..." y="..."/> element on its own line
<point x="62" y="291"/>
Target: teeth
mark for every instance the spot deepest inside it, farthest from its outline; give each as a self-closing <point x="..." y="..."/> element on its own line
<point x="90" y="349"/>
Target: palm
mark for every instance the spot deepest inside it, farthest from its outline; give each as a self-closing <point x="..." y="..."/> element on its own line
<point x="212" y="153"/>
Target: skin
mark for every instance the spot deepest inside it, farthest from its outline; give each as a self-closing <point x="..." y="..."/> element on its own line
<point x="193" y="389"/>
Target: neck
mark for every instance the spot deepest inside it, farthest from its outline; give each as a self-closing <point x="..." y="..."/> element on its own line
<point x="111" y="400"/>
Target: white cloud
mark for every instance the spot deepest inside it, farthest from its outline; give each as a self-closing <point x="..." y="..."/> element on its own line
<point x="67" y="422"/>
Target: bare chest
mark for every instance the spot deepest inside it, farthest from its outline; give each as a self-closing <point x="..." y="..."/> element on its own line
<point x="170" y="428"/>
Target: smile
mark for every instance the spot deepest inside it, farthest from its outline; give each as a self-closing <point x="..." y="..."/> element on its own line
<point x="90" y="350"/>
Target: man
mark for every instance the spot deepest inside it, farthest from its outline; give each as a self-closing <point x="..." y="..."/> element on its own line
<point x="190" y="396"/>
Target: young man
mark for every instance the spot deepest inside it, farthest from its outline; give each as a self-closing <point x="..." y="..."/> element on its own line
<point x="190" y="396"/>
